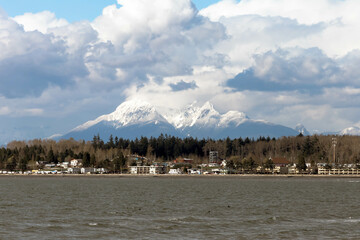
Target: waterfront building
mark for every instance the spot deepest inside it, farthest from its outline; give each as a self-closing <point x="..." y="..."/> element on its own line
<point x="76" y="162"/>
<point x="157" y="169"/>
<point x="183" y="160"/>
<point x="175" y="171"/>
<point x="74" y="170"/>
<point x="194" y="171"/>
<point x="88" y="170"/>
<point x="213" y="156"/>
<point x="153" y="169"/>
<point x="281" y="165"/>
<point x="338" y="171"/>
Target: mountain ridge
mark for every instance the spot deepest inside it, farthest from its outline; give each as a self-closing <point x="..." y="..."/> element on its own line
<point x="137" y="118"/>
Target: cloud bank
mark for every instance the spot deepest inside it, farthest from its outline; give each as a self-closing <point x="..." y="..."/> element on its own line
<point x="284" y="61"/>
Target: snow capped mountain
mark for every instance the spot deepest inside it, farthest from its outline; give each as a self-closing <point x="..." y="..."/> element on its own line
<point x="205" y="122"/>
<point x="131" y="119"/>
<point x="205" y="116"/>
<point x="350" y="131"/>
<point x="192" y="115"/>
<point x="137" y="118"/>
<point x="128" y="113"/>
<point x="232" y="117"/>
<point x="301" y="129"/>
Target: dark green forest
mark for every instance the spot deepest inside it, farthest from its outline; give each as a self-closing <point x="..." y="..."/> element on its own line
<point x="114" y="152"/>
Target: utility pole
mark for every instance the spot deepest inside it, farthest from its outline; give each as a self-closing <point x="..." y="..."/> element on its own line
<point x="334" y="142"/>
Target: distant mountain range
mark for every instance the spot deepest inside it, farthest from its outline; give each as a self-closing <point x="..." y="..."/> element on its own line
<point x="137" y="118"/>
<point x="350" y="131"/>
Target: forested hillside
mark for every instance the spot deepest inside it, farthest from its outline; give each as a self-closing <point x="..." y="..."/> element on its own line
<point x="113" y="153"/>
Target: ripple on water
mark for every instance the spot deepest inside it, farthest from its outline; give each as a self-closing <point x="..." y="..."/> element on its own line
<point x="183" y="208"/>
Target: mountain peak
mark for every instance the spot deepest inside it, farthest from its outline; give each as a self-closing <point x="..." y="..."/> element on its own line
<point x="208" y="105"/>
<point x="301" y="129"/>
<point x="350" y="131"/>
<point x="128" y="113"/>
<point x="137" y="118"/>
<point x="234" y="117"/>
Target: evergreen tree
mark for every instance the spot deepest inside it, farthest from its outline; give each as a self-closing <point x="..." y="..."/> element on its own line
<point x="50" y="157"/>
<point x="86" y="159"/>
<point x="301" y="163"/>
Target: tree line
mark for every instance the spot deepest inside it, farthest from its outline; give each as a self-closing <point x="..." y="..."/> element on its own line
<point x="114" y="153"/>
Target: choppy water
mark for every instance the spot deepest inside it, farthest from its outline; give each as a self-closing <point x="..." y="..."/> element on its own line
<point x="179" y="208"/>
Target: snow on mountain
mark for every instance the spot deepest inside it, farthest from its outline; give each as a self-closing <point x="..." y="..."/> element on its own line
<point x="350" y="131"/>
<point x="128" y="113"/>
<point x="205" y="121"/>
<point x="137" y="118"/>
<point x="131" y="119"/>
<point x="183" y="118"/>
<point x="204" y="117"/>
<point x="301" y="129"/>
<point x="234" y="117"/>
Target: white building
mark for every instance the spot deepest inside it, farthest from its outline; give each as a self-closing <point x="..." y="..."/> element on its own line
<point x="74" y="170"/>
<point x="175" y="171"/>
<point x="213" y="156"/>
<point x="157" y="169"/>
<point x="194" y="171"/>
<point x="88" y="170"/>
<point x="76" y="162"/>
<point x="153" y="169"/>
<point x="102" y="170"/>
<point x="64" y="164"/>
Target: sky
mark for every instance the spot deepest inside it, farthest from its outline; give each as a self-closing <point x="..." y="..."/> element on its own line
<point x="63" y="63"/>
<point x="71" y="10"/>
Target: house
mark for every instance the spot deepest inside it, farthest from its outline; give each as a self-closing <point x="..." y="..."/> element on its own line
<point x="338" y="171"/>
<point x="194" y="171"/>
<point x="76" y="162"/>
<point x="184" y="160"/>
<point x="280" y="165"/>
<point x="74" y="170"/>
<point x="88" y="170"/>
<point x="157" y="169"/>
<point x="102" y="170"/>
<point x="176" y="171"/>
<point x="50" y="165"/>
<point x="64" y="164"/>
<point x="213" y="164"/>
<point x="153" y="169"/>
<point x="213" y="156"/>
<point x="140" y="169"/>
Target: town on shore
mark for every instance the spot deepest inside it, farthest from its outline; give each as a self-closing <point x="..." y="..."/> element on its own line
<point x="312" y="155"/>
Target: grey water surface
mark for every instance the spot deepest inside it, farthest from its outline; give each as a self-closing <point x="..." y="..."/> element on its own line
<point x="179" y="208"/>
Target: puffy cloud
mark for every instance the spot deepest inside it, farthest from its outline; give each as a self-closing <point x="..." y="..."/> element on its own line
<point x="289" y="70"/>
<point x="285" y="61"/>
<point x="305" y="11"/>
<point x="167" y="39"/>
<point x="42" y="21"/>
<point x="31" y="61"/>
<point x="340" y="17"/>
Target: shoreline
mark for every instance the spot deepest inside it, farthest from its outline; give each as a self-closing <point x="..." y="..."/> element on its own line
<point x="185" y="175"/>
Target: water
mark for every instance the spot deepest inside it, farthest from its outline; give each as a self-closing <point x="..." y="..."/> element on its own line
<point x="179" y="208"/>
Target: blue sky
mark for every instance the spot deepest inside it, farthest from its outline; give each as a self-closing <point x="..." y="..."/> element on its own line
<point x="284" y="61"/>
<point x="71" y="10"/>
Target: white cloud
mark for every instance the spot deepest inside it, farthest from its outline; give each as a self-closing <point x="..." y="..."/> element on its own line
<point x="42" y="21"/>
<point x="340" y="16"/>
<point x="300" y="58"/>
<point x="304" y="11"/>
